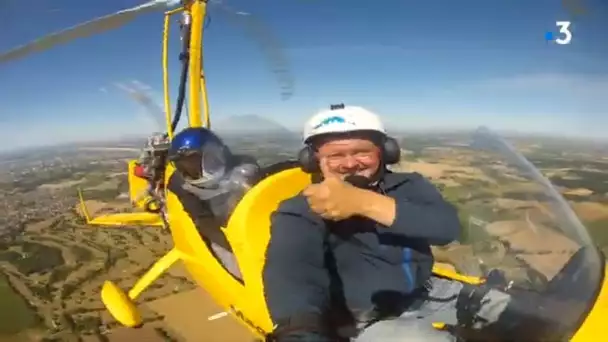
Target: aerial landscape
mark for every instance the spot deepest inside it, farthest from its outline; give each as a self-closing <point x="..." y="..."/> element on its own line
<point x="53" y="265"/>
<point x="84" y="85"/>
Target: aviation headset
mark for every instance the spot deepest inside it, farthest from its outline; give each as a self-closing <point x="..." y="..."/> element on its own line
<point x="391" y="152"/>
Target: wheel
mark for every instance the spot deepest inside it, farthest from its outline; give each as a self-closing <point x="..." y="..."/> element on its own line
<point x="120" y="306"/>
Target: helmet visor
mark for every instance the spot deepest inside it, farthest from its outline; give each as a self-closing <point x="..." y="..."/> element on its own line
<point x="202" y="166"/>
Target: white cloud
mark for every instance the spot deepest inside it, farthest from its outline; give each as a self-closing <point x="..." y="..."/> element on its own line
<point x="141" y="85"/>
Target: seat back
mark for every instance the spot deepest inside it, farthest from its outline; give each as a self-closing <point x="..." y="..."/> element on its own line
<point x="137" y="185"/>
<point x="248" y="231"/>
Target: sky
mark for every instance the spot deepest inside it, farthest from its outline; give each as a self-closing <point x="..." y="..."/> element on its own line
<point x="434" y="64"/>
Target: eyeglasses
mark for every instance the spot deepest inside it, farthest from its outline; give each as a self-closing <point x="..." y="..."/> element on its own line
<point x="359" y="156"/>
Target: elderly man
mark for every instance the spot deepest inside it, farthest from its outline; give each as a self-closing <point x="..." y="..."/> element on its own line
<point x="356" y="243"/>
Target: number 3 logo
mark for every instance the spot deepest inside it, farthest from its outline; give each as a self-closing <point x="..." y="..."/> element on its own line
<point x="564" y="28"/>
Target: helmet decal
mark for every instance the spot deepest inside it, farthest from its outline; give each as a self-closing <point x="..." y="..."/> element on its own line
<point x="331" y="120"/>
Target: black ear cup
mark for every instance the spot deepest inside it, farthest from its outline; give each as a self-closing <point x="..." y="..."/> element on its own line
<point x="392" y="151"/>
<point x="307" y="159"/>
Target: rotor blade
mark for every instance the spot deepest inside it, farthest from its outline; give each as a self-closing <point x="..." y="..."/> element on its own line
<point x="269" y="43"/>
<point x="85" y="29"/>
<point x="140" y="96"/>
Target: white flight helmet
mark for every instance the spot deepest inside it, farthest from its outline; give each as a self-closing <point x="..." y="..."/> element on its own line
<point x="345" y="119"/>
<point x="342" y="119"/>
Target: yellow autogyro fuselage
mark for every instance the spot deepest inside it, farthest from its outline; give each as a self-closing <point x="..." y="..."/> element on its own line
<point x="244" y="300"/>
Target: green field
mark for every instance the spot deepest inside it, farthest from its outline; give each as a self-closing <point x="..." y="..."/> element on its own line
<point x="15" y="315"/>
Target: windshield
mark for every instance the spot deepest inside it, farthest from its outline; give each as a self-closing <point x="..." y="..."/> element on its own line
<point x="515" y="225"/>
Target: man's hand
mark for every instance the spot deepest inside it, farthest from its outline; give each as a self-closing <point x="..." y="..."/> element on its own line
<point x="333" y="199"/>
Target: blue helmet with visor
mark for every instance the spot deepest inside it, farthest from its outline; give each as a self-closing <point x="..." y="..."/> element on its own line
<point x="199" y="156"/>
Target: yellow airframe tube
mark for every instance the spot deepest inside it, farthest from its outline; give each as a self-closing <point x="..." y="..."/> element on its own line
<point x="166" y="75"/>
<point x="206" y="117"/>
<point x="166" y="91"/>
<point x="159" y="267"/>
<point x="198" y="10"/>
<point x="173" y="11"/>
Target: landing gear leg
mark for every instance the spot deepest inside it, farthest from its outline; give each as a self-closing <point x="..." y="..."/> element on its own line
<point x="122" y="305"/>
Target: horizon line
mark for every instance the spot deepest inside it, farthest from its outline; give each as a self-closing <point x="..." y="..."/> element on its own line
<point x="507" y="133"/>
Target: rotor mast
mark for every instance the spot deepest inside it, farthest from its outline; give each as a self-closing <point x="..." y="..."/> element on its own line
<point x="197" y="87"/>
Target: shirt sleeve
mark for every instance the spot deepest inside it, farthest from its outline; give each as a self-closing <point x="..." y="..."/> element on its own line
<point x="421" y="212"/>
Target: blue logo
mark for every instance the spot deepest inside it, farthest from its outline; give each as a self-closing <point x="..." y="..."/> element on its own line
<point x="330" y="120"/>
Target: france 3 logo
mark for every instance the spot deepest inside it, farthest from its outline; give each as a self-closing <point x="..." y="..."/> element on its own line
<point x="564" y="36"/>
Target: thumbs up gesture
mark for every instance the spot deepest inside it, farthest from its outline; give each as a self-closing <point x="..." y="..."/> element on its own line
<point x="333" y="199"/>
